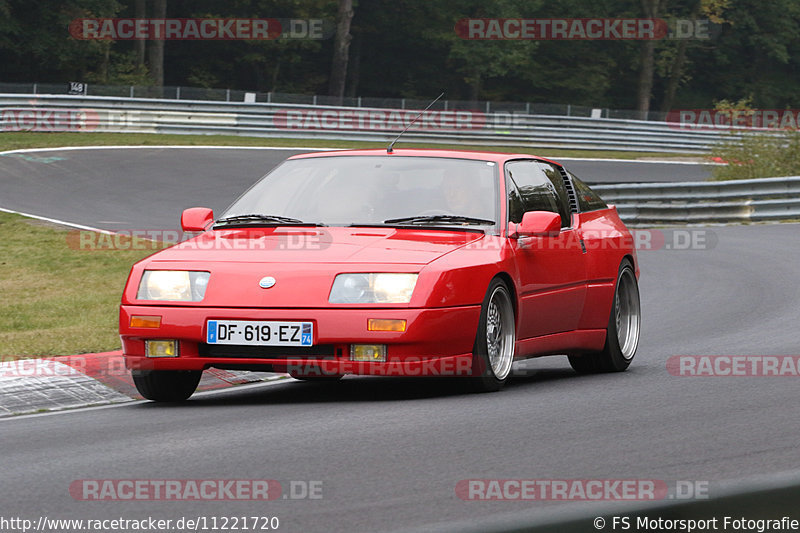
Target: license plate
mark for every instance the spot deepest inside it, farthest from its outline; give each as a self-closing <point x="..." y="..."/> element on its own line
<point x="259" y="333"/>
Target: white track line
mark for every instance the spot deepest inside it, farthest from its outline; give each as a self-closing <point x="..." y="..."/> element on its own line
<point x="56" y="221"/>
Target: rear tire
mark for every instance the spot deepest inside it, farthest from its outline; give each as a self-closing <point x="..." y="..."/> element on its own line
<point x="622" y="333"/>
<point x="166" y="385"/>
<point x="493" y="352"/>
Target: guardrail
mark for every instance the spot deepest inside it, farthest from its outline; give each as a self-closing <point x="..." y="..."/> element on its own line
<point x="22" y="112"/>
<point x="755" y="200"/>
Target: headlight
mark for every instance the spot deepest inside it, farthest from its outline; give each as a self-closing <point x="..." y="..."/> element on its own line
<point x="173" y="285"/>
<point x="372" y="288"/>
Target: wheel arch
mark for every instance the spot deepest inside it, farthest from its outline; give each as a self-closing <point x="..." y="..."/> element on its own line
<point x="505" y="277"/>
<point x="630" y="257"/>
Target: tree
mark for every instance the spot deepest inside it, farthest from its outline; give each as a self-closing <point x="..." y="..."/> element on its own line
<point x="713" y="12"/>
<point x="410" y="49"/>
<point x="157" y="46"/>
<point x="341" y="47"/>
<point x="141" y="46"/>
<point x="650" y="9"/>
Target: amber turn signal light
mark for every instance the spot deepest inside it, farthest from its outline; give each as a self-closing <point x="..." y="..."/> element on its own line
<point x="140" y="321"/>
<point x="386" y="324"/>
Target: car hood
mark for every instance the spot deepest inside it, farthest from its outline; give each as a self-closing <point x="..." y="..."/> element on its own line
<point x="320" y="245"/>
<point x="303" y="261"/>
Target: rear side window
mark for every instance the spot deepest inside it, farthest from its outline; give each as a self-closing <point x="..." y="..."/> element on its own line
<point x="554" y="175"/>
<point x="529" y="189"/>
<point x="588" y="200"/>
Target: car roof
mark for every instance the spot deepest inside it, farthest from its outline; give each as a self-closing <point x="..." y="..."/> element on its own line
<point x="498" y="157"/>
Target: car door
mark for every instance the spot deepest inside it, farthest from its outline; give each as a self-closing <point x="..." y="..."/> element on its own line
<point x="551" y="270"/>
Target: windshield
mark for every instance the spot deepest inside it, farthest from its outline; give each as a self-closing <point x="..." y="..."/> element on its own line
<point x="367" y="190"/>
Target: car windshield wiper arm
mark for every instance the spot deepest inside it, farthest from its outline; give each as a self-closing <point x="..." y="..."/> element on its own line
<point x="273" y="219"/>
<point x="446" y="219"/>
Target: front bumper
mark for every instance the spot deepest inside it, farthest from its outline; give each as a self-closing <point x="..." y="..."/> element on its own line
<point x="437" y="342"/>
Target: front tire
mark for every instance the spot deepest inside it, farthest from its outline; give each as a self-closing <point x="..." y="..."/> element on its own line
<point x="622" y="337"/>
<point x="166" y="385"/>
<point x="493" y="352"/>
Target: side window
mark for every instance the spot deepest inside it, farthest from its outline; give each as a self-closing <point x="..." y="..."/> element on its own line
<point x="554" y="175"/>
<point x="529" y="189"/>
<point x="515" y="207"/>
<point x="588" y="200"/>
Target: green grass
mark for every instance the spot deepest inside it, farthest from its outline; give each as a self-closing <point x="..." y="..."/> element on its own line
<point x="21" y="140"/>
<point x="56" y="299"/>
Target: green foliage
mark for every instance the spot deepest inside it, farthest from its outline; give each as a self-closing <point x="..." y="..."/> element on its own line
<point x="409" y="48"/>
<point x="744" y="105"/>
<point x="477" y="61"/>
<point x="122" y="70"/>
<point x="755" y="155"/>
<point x="36" y="43"/>
<point x="761" y="155"/>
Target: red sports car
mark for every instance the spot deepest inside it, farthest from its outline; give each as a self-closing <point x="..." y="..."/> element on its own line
<point x="402" y="263"/>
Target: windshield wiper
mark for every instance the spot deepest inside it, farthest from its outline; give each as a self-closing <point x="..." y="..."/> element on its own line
<point x="445" y="219"/>
<point x="272" y="219"/>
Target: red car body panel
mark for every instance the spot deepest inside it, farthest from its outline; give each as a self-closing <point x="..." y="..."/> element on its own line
<point x="562" y="287"/>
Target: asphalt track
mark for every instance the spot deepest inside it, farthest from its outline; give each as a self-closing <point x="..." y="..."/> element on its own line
<point x="117" y="189"/>
<point x="389" y="452"/>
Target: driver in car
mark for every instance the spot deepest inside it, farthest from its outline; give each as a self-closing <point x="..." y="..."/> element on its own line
<point x="463" y="195"/>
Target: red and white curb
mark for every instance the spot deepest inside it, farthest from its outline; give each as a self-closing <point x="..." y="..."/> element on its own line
<point x="67" y="382"/>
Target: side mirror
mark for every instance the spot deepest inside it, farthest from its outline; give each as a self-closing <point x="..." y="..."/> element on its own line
<point x="537" y="224"/>
<point x="196" y="219"/>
